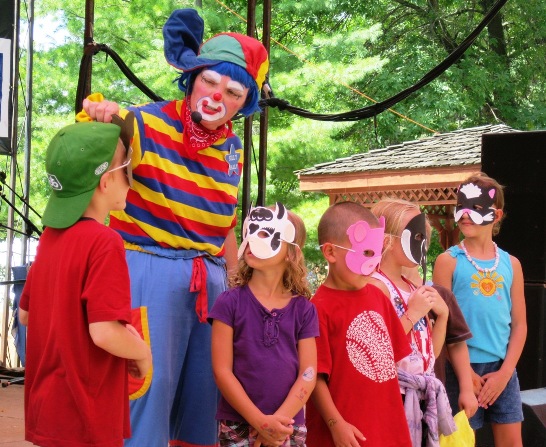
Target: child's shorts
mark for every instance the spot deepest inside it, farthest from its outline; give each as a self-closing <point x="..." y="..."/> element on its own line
<point x="237" y="434"/>
<point x="507" y="409"/>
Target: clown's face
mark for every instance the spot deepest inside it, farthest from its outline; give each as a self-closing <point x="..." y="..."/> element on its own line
<point x="477" y="202"/>
<point x="217" y="98"/>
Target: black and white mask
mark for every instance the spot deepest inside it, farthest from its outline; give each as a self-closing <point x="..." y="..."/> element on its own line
<point x="477" y="202"/>
<point x="414" y="241"/>
<point x="264" y="230"/>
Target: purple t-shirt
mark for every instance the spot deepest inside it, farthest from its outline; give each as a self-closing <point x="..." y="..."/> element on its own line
<point x="265" y="352"/>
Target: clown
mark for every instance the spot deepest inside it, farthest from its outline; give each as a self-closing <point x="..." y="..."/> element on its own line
<point x="178" y="226"/>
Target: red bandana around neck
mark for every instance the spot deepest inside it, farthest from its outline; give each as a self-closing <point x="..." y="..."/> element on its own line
<point x="197" y="137"/>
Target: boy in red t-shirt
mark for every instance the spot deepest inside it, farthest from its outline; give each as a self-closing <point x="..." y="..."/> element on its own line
<point x="76" y="300"/>
<point x="357" y="398"/>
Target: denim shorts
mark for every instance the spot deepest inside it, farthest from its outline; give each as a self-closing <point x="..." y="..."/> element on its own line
<point x="507" y="409"/>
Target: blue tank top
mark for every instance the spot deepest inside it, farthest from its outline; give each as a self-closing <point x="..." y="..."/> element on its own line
<point x="484" y="299"/>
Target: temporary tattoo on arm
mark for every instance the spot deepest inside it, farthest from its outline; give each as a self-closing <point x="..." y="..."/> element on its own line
<point x="302" y="395"/>
<point x="309" y="374"/>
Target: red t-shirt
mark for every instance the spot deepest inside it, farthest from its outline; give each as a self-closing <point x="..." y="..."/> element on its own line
<point x="360" y="341"/>
<point x="75" y="392"/>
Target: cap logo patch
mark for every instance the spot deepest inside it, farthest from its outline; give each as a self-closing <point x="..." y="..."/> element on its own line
<point x="101" y="169"/>
<point x="54" y="182"/>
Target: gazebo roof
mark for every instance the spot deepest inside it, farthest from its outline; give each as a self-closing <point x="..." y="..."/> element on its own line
<point x="458" y="148"/>
<point x="426" y="171"/>
<point x="442" y="160"/>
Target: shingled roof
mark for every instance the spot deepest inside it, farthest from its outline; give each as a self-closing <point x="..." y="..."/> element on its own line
<point x="458" y="148"/>
<point x="426" y="171"/>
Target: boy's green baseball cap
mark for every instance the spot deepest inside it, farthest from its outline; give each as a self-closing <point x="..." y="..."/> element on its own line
<point x="77" y="157"/>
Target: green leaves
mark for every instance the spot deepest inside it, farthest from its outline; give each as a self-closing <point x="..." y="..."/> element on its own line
<point x="327" y="57"/>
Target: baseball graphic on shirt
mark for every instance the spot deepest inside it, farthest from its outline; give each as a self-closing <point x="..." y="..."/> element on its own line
<point x="369" y="347"/>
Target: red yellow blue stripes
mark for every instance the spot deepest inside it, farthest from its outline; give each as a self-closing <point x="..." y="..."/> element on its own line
<point x="176" y="201"/>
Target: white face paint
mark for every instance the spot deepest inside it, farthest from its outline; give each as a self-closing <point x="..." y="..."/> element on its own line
<point x="216" y="97"/>
<point x="210" y="109"/>
<point x="236" y="88"/>
<point x="264" y="230"/>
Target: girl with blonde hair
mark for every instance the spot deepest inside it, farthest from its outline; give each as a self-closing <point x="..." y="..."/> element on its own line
<point x="429" y="315"/>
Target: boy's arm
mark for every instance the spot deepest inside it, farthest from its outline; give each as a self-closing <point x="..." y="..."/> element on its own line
<point x="460" y="361"/>
<point x="23" y="316"/>
<point x="307" y="378"/>
<point x="119" y="340"/>
<point x="496" y="382"/>
<point x="271" y="428"/>
<point x="342" y="432"/>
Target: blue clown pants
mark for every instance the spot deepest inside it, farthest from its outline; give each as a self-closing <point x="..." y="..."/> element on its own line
<point x="176" y="403"/>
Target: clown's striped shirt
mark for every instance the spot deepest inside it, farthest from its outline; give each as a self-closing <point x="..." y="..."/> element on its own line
<point x="177" y="201"/>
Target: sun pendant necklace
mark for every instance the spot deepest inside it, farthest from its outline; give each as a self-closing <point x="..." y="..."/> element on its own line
<point x="476" y="266"/>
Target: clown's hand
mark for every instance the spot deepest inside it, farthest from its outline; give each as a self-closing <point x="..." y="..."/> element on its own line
<point x="95" y="108"/>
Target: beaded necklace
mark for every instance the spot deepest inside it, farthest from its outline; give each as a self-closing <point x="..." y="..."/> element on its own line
<point x="476" y="266"/>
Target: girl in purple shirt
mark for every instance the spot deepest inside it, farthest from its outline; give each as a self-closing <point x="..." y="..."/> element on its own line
<point x="263" y="335"/>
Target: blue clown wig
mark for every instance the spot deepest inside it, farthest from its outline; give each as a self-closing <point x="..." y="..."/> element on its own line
<point x="235" y="72"/>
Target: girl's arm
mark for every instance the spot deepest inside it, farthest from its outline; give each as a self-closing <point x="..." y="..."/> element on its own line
<point x="306" y="380"/>
<point x="496" y="382"/>
<point x="272" y="428"/>
<point x="441" y="311"/>
<point x="439" y="332"/>
<point x="443" y="275"/>
<point x="409" y="319"/>
<point x="443" y="270"/>
<point x="460" y="361"/>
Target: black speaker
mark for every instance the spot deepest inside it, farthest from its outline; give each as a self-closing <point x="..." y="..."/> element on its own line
<point x="534" y="414"/>
<point x="532" y="363"/>
<point x="517" y="161"/>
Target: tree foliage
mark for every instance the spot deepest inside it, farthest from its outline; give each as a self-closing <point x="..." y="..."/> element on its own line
<point x="327" y="57"/>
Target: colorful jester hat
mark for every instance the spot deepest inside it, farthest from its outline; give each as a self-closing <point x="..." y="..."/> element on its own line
<point x="183" y="36"/>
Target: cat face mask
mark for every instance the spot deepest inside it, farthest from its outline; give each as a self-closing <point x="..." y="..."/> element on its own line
<point x="264" y="230"/>
<point x="477" y="202"/>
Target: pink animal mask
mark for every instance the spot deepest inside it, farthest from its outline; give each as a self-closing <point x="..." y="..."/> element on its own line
<point x="366" y="247"/>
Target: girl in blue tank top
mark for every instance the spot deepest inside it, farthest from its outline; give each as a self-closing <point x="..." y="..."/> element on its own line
<point x="488" y="285"/>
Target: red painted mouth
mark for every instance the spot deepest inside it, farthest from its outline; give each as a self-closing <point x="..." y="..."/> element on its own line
<point x="210" y="110"/>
